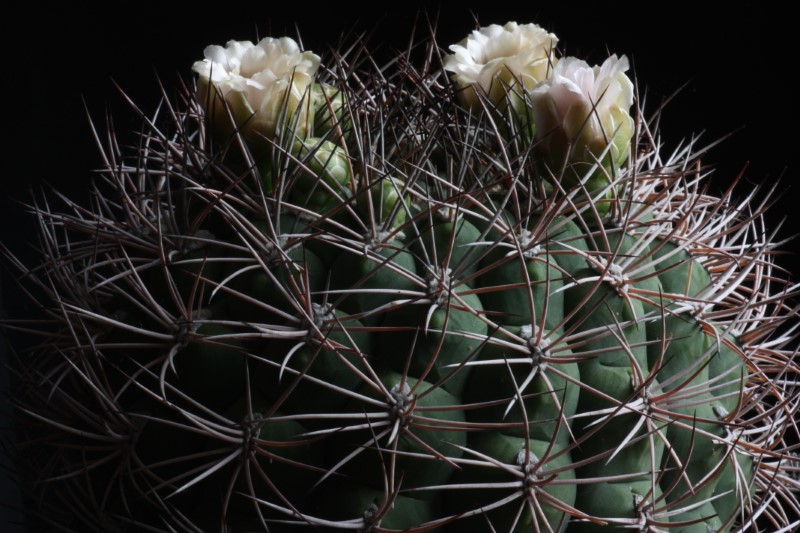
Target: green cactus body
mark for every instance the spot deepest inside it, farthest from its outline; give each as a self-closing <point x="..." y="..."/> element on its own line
<point x="508" y="277"/>
<point x="328" y="350"/>
<point x="448" y="239"/>
<point x="430" y="337"/>
<point x="542" y="504"/>
<point x="372" y="278"/>
<point x="411" y="327"/>
<point x="526" y="366"/>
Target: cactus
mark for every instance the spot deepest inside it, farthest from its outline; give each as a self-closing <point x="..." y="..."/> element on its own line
<point x="408" y="302"/>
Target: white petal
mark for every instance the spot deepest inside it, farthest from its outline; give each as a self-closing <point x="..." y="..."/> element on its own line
<point x="513" y="52"/>
<point x="258" y="73"/>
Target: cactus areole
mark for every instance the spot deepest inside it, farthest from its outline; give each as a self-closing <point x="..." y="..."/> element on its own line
<point x="466" y="295"/>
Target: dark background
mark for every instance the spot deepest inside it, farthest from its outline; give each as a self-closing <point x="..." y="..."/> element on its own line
<point x="735" y="63"/>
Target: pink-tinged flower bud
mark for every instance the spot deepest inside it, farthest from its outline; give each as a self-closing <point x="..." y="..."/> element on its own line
<point x="582" y="117"/>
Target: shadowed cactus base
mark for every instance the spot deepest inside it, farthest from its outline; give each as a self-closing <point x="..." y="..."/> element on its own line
<point x="402" y="316"/>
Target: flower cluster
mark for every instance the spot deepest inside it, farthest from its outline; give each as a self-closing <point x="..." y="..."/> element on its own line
<point x="578" y="115"/>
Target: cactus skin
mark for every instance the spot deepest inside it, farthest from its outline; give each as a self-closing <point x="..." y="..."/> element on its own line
<point x="469" y="348"/>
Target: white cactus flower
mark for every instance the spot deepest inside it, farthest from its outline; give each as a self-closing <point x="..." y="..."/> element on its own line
<point x="501" y="62"/>
<point x="585" y="111"/>
<point x="259" y="82"/>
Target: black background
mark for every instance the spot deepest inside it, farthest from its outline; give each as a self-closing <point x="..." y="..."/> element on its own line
<point x="735" y="63"/>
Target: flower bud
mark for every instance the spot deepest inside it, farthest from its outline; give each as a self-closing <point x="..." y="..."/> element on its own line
<point x="330" y="110"/>
<point x="323" y="178"/>
<point x="385" y="200"/>
<point x="255" y="88"/>
<point x="501" y="63"/>
<point x="582" y="116"/>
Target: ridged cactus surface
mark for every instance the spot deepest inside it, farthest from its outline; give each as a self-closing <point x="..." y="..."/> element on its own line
<point x="462" y="293"/>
